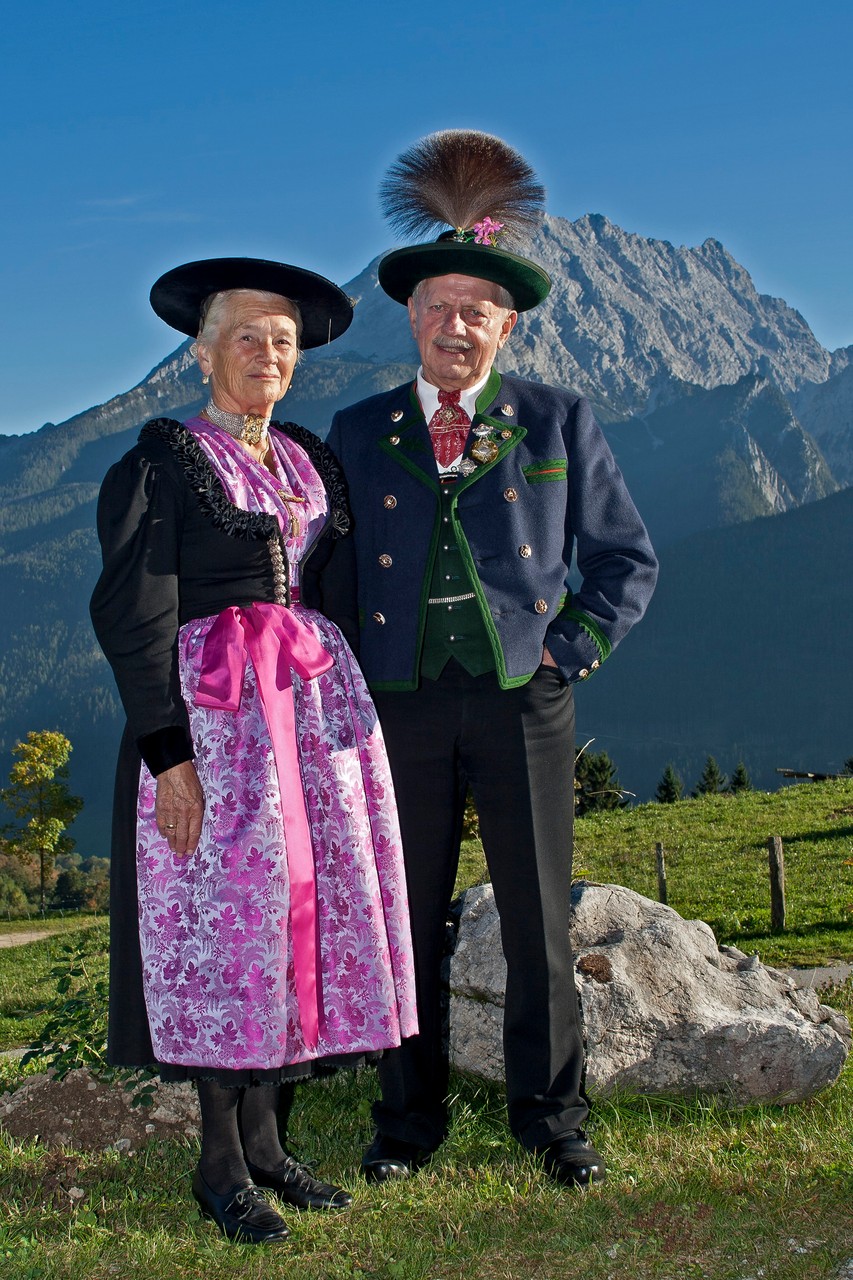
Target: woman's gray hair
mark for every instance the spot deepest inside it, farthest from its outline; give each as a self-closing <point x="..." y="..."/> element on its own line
<point x="215" y="306"/>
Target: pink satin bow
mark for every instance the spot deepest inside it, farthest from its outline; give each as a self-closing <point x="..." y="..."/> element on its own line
<point x="278" y="644"/>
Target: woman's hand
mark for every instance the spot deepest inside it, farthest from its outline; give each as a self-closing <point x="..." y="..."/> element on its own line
<point x="179" y="807"/>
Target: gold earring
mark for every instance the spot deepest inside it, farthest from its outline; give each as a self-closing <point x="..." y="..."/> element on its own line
<point x="205" y="378"/>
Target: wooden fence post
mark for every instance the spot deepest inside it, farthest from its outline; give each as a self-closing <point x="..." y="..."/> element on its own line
<point x="661" y="861"/>
<point x="776" y="856"/>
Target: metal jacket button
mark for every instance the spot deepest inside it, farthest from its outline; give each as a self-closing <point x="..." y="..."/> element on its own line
<point x="541" y="606"/>
<point x="393" y="439"/>
<point x="380" y="618"/>
<point x="386" y="561"/>
<point x="525" y="551"/>
<point x="389" y="502"/>
<point x="511" y="494"/>
<point x="396" y="415"/>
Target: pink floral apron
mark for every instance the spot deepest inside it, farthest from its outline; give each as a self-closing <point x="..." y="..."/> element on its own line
<point x="285" y="937"/>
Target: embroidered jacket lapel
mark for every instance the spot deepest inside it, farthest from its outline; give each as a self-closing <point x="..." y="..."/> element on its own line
<point x="498" y="413"/>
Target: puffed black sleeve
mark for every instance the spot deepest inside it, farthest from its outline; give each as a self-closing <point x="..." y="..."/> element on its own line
<point x="135" y="605"/>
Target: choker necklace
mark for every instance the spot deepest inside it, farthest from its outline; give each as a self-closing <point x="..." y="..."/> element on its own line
<point x="245" y="427"/>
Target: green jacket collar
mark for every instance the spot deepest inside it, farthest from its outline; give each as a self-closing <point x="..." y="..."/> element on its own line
<point x="408" y="442"/>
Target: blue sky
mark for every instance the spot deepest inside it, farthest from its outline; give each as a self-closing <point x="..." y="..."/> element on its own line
<point x="138" y="137"/>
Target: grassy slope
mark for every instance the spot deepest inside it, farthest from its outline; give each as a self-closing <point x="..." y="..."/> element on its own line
<point x="717" y="865"/>
<point x="25" y="981"/>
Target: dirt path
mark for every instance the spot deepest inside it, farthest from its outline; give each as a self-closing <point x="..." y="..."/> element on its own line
<point x="18" y="939"/>
<point x="825" y="975"/>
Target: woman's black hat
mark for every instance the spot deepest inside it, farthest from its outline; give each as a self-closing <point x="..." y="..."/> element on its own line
<point x="326" y="311"/>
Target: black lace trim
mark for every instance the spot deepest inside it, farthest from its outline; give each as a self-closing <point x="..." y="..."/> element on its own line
<point x="251" y="526"/>
<point x="328" y="469"/>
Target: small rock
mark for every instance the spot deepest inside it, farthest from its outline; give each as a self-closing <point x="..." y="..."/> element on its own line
<point x="597" y="967"/>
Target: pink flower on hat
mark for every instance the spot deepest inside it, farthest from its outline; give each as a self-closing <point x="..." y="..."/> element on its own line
<point x="487" y="231"/>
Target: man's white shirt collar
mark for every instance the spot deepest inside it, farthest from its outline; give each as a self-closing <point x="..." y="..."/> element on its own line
<point x="428" y="395"/>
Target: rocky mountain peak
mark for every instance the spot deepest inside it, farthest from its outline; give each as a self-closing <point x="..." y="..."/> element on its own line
<point x="626" y="314"/>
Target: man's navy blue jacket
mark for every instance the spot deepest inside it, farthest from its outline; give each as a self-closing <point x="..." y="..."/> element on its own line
<point x="552" y="492"/>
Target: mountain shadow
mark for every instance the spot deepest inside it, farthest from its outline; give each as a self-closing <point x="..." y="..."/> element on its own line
<point x="744" y="655"/>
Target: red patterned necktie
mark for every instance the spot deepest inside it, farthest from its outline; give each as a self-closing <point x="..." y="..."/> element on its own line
<point x="448" y="428"/>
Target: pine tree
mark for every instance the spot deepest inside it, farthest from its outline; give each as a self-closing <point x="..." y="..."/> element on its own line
<point x="596" y="784"/>
<point x="670" y="788"/>
<point x="740" y="779"/>
<point x="69" y="892"/>
<point x="712" y="781"/>
<point x="39" y="799"/>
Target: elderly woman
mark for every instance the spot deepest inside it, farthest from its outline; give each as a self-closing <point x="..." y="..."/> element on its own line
<point x="258" y="916"/>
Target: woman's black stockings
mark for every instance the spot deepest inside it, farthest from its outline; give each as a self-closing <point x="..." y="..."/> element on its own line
<point x="239" y="1125"/>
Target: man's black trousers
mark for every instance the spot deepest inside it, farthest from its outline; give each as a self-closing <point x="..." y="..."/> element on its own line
<point x="515" y="748"/>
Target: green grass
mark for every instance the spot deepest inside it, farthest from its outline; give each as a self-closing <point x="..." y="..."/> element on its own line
<point x="694" y="1189"/>
<point x="25" y="982"/>
<point x="50" y="922"/>
<point x="717" y="865"/>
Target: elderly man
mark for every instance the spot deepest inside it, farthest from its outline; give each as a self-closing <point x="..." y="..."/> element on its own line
<point x="470" y="493"/>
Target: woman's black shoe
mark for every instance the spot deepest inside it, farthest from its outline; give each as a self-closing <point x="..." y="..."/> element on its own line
<point x="296" y="1185"/>
<point x="242" y="1213"/>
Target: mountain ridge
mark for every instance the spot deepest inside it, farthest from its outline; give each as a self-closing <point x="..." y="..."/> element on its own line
<point x="624" y="312"/>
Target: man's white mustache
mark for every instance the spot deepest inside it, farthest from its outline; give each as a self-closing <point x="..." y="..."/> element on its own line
<point x="454" y="344"/>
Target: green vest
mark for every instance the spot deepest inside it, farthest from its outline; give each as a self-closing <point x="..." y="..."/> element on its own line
<point x="454" y="628"/>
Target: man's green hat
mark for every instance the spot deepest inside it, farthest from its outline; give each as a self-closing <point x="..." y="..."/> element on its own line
<point x="488" y="196"/>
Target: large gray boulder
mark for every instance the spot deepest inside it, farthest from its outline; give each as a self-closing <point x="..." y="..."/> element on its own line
<point x="665" y="1010"/>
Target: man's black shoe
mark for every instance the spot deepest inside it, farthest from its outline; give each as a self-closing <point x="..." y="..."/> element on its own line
<point x="573" y="1160"/>
<point x="296" y="1185"/>
<point x="387" y="1159"/>
<point x="242" y="1213"/>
